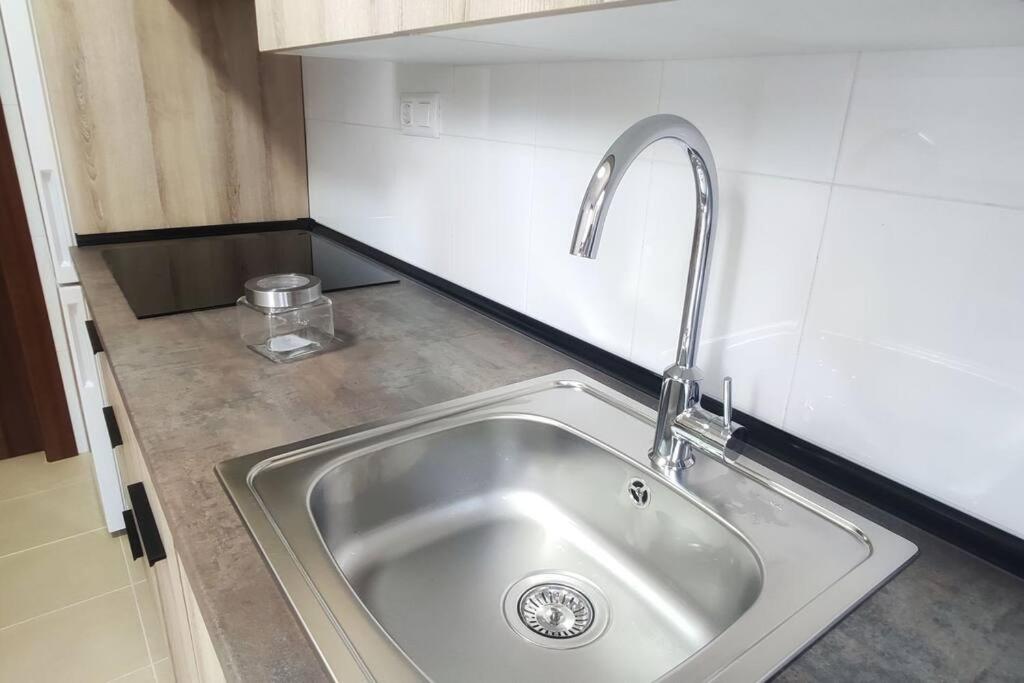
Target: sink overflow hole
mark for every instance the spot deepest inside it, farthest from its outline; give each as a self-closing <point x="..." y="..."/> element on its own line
<point x="639" y="493"/>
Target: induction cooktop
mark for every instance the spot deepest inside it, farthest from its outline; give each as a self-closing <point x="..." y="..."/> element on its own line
<point x="178" y="275"/>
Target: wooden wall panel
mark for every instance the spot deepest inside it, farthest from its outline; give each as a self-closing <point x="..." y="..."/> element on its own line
<point x="181" y="115"/>
<point x="296" y="23"/>
<point x="167" y="115"/>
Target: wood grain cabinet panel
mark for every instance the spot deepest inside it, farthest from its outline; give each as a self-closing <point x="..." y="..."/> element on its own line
<point x="287" y="24"/>
<point x="191" y="651"/>
<point x="167" y="115"/>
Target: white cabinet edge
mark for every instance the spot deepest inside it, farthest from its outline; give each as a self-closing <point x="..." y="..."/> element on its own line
<point x="108" y="479"/>
<point x="56" y="233"/>
<point x="53" y="263"/>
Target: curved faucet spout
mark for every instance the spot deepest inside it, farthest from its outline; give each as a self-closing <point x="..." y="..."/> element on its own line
<point x="681" y="385"/>
<point x="590" y="223"/>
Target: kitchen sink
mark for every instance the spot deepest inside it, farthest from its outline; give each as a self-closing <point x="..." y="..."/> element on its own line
<point x="523" y="533"/>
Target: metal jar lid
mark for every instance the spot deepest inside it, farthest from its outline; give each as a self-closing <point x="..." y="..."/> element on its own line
<point x="282" y="290"/>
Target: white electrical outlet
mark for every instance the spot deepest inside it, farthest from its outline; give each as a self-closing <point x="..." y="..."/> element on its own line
<point x="419" y="113"/>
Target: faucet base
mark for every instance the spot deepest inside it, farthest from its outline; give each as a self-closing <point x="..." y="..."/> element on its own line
<point x="680" y="392"/>
<point x="683" y="427"/>
<point x="680" y="458"/>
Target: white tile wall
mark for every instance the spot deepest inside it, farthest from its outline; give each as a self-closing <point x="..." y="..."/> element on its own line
<point x="865" y="293"/>
<point x="940" y="123"/>
<point x="910" y="362"/>
<point x="592" y="299"/>
<point x="423" y="225"/>
<point x="777" y="115"/>
<point x="763" y="261"/>
<point x="493" y="103"/>
<point x="583" y="106"/>
<point x="328" y="86"/>
<point x="351" y="180"/>
<point x="490" y="187"/>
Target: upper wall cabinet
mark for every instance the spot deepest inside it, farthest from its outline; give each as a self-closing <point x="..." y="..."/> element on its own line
<point x="167" y="115"/>
<point x="285" y="24"/>
<point x="491" y="31"/>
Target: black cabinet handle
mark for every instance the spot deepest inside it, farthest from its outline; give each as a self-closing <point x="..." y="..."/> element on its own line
<point x="94" y="337"/>
<point x="146" y="524"/>
<point x="112" y="429"/>
<point x="134" y="542"/>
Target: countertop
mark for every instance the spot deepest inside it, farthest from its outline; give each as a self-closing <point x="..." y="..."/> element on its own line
<point x="196" y="396"/>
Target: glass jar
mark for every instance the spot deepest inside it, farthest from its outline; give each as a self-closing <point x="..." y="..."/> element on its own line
<point x="285" y="317"/>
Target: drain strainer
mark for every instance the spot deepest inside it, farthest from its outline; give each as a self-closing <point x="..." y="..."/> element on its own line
<point x="556" y="610"/>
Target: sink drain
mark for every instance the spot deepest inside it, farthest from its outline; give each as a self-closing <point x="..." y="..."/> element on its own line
<point x="556" y="610"/>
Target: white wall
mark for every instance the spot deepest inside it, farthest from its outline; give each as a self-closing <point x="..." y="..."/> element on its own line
<point x="867" y="291"/>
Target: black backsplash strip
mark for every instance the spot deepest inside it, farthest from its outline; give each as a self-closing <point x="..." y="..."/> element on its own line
<point x="969" y="533"/>
<point x="977" y="537"/>
<point x="104" y="238"/>
<point x="610" y="364"/>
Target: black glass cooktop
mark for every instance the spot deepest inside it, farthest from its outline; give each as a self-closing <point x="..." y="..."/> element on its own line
<point x="178" y="275"/>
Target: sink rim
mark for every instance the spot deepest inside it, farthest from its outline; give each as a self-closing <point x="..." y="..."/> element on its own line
<point x="887" y="552"/>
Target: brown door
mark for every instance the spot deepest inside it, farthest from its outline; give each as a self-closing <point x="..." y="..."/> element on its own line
<point x="33" y="410"/>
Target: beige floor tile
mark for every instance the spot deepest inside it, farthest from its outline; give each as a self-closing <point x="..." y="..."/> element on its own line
<point x="145" y="675"/>
<point x="38" y="518"/>
<point x="56" y="575"/>
<point x="152" y="621"/>
<point x="136" y="568"/>
<point x="95" y="640"/>
<point x="164" y="671"/>
<point x="31" y="473"/>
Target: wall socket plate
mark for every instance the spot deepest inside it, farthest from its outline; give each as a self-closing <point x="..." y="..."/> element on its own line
<point x="419" y="113"/>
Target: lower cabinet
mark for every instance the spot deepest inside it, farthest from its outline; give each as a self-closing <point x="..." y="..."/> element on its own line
<point x="191" y="651"/>
<point x="85" y="349"/>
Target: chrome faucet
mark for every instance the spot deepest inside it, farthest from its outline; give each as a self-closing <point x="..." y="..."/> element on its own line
<point x="683" y="426"/>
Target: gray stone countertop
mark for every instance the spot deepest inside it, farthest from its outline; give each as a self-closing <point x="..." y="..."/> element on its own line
<point x="196" y="396"/>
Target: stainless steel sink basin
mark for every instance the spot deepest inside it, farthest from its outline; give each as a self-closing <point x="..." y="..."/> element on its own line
<point x="522" y="533"/>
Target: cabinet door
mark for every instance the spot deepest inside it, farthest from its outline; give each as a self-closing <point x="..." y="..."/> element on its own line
<point x="84" y="348"/>
<point x="172" y="602"/>
<point x="36" y="117"/>
<point x="207" y="662"/>
<point x="127" y="472"/>
<point x="163" y="575"/>
<point x="288" y="24"/>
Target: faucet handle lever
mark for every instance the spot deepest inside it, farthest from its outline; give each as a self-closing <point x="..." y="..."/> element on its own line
<point x="727" y="403"/>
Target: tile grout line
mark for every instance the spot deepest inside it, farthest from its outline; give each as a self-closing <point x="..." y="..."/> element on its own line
<point x="723" y="169"/>
<point x="138" y="608"/>
<point x="535" y="74"/>
<point x="932" y="197"/>
<point x="132" y="673"/>
<point x="644" y="233"/>
<point x="562" y="58"/>
<point x="61" y="609"/>
<point x="48" y="543"/>
<point x="64" y="485"/>
<point x="529" y="229"/>
<point x="142" y="623"/>
<point x="821" y="243"/>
